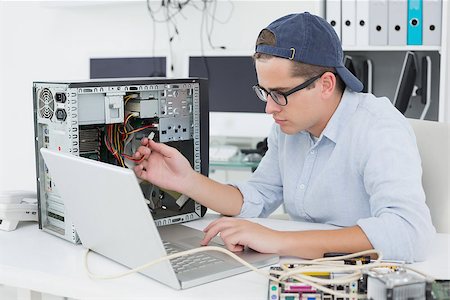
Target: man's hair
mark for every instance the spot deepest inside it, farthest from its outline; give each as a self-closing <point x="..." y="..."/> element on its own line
<point x="299" y="69"/>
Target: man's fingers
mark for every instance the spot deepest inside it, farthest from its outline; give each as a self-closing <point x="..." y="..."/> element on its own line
<point x="142" y="152"/>
<point x="165" y="150"/>
<point x="144" y="141"/>
<point x="139" y="170"/>
<point x="231" y="238"/>
<point x="213" y="223"/>
<point x="234" y="248"/>
<point x="212" y="232"/>
<point x="216" y="227"/>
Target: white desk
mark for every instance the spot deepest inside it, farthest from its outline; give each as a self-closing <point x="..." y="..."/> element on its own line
<point x="35" y="260"/>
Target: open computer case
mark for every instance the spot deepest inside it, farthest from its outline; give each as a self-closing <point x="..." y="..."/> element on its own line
<point x="105" y="120"/>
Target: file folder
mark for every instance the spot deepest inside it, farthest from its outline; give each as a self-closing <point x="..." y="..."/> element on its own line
<point x="378" y="19"/>
<point x="414" y="36"/>
<point x="333" y="12"/>
<point x="397" y="22"/>
<point x="348" y="24"/>
<point x="362" y="22"/>
<point x="432" y="22"/>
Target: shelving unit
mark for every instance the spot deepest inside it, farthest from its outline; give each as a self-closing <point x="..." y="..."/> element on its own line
<point x="392" y="48"/>
<point x="387" y="63"/>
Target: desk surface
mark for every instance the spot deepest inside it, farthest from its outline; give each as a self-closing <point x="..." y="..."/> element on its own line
<point x="33" y="259"/>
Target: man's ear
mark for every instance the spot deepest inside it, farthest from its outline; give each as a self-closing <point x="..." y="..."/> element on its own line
<point x="328" y="84"/>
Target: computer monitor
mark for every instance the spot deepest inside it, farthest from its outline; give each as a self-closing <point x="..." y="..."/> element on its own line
<point x="366" y="77"/>
<point x="362" y="69"/>
<point x="406" y="83"/>
<point x="128" y="67"/>
<point x="425" y="90"/>
<point x="350" y="65"/>
<point x="230" y="80"/>
<point x="235" y="110"/>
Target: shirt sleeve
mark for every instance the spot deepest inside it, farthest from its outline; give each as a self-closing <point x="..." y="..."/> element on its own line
<point x="263" y="192"/>
<point x="400" y="226"/>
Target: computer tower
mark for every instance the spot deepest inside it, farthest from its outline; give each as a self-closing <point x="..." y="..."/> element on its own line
<point x="105" y="120"/>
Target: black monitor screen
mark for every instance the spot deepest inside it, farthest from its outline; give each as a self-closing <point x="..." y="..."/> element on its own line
<point x="406" y="82"/>
<point x="366" y="76"/>
<point x="425" y="78"/>
<point x="127" y="67"/>
<point x="361" y="68"/>
<point x="230" y="80"/>
<point x="349" y="64"/>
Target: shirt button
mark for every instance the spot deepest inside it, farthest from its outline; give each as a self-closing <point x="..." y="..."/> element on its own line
<point x="302" y="186"/>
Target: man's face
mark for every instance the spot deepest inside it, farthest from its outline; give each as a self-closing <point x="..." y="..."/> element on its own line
<point x="304" y="110"/>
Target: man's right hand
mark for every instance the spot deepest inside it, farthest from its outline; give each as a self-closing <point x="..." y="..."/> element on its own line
<point x="167" y="168"/>
<point x="162" y="165"/>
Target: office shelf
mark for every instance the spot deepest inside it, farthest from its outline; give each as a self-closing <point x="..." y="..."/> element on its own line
<point x="392" y="48"/>
<point x="386" y="62"/>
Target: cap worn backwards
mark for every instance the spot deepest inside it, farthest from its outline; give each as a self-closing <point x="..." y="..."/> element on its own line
<point x="309" y="39"/>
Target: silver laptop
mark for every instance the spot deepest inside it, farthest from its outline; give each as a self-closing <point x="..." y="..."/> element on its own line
<point x="111" y="217"/>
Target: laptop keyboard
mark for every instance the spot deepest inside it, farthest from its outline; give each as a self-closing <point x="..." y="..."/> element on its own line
<point x="189" y="262"/>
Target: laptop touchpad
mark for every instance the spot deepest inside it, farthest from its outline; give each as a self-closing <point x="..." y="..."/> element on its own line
<point x="195" y="241"/>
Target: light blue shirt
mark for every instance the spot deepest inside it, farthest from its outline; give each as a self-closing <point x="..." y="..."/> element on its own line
<point x="364" y="170"/>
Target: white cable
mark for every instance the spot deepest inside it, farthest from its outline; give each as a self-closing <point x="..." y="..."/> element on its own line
<point x="352" y="255"/>
<point x="403" y="266"/>
<point x="172" y="256"/>
<point x="330" y="291"/>
<point x="340" y="280"/>
<point x="329" y="264"/>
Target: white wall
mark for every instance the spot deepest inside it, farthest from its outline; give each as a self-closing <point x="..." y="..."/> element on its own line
<point x="447" y="69"/>
<point x="42" y="41"/>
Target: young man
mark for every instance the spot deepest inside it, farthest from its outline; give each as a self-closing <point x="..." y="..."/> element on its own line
<point x="335" y="156"/>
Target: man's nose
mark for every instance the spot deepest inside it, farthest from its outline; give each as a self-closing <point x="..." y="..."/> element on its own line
<point x="271" y="106"/>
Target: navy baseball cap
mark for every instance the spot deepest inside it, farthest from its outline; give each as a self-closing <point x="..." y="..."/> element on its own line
<point x="311" y="40"/>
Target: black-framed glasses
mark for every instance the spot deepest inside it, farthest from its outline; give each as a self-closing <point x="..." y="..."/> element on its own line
<point x="280" y="98"/>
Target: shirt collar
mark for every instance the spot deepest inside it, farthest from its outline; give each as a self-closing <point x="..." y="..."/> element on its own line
<point x="347" y="106"/>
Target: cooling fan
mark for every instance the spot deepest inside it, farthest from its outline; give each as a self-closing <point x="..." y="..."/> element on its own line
<point x="46" y="104"/>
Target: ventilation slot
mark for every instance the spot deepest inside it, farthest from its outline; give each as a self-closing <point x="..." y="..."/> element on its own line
<point x="46" y="104"/>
